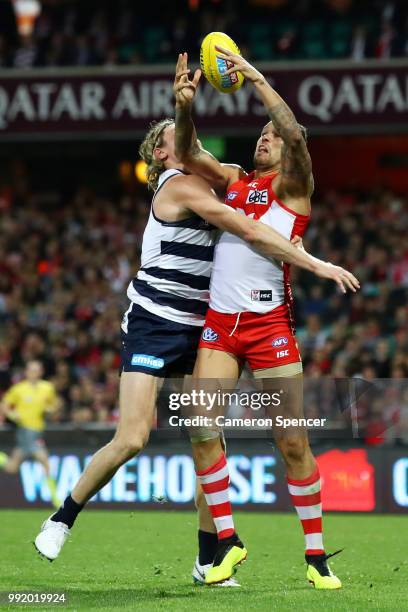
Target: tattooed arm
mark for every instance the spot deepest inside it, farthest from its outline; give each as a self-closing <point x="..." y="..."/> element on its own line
<point x="296" y="166"/>
<point x="187" y="146"/>
<point x="296" y="178"/>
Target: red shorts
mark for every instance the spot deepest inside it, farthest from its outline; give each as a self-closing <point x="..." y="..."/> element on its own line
<point x="262" y="340"/>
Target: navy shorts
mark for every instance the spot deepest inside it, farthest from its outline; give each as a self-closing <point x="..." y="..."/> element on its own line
<point x="157" y="346"/>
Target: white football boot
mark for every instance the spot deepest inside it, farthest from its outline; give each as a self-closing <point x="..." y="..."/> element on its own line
<point x="51" y="539"/>
<point x="199" y="572"/>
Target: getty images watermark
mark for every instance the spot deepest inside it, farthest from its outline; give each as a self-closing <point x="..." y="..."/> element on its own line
<point x="233" y="409"/>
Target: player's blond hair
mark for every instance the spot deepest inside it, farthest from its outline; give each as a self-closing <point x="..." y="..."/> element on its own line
<point x="153" y="139"/>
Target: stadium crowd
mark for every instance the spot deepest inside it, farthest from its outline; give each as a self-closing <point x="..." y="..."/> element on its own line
<point x="65" y="263"/>
<point x="70" y="33"/>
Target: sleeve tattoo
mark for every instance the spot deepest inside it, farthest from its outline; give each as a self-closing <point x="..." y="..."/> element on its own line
<point x="296" y="162"/>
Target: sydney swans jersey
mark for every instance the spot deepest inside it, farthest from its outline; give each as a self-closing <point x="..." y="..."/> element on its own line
<point x="242" y="280"/>
<point x="174" y="277"/>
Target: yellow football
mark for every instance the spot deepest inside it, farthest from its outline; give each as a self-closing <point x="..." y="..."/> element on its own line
<point x="214" y="67"/>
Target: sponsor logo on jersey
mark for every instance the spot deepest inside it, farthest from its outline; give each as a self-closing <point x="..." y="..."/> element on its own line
<point x="283" y="341"/>
<point x="209" y="335"/>
<point x="147" y="361"/>
<point x="284" y="353"/>
<point x="232" y="195"/>
<point x="257" y="197"/>
<point x="261" y="295"/>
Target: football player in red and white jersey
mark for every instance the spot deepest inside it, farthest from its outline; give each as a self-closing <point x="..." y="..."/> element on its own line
<point x="250" y="315"/>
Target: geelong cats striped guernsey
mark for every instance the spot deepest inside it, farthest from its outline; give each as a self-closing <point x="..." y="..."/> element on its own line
<point x="174" y="277"/>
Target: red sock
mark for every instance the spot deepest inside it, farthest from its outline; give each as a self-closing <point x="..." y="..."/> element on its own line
<point x="306" y="498"/>
<point x="215" y="483"/>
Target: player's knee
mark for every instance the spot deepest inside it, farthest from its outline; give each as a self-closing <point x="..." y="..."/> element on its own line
<point x="204" y="445"/>
<point x="130" y="446"/>
<point x="294" y="449"/>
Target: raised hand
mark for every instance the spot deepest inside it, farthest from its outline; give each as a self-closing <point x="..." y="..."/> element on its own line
<point x="239" y="64"/>
<point x="184" y="88"/>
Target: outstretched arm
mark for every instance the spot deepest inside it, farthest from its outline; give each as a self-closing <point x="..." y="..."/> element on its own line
<point x="192" y="192"/>
<point x="188" y="148"/>
<point x="296" y="165"/>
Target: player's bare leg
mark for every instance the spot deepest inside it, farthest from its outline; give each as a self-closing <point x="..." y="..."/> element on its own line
<point x="138" y="394"/>
<point x="208" y="366"/>
<point x="211" y="467"/>
<point x="294" y="445"/>
<point x="302" y="475"/>
<point x="41" y="456"/>
<point x="137" y="401"/>
<point x="11" y="463"/>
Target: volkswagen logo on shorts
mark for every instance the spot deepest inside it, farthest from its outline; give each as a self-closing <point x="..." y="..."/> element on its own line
<point x="209" y="335"/>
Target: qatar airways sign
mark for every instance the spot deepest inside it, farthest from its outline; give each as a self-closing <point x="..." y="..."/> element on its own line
<point x="354" y="96"/>
<point x="72" y="103"/>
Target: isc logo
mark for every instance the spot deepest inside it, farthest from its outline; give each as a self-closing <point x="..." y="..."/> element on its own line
<point x="258" y="295"/>
<point x="257" y="197"/>
<point x="284" y="353"/>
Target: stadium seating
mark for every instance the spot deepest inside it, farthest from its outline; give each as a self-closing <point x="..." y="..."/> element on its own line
<point x="129" y="34"/>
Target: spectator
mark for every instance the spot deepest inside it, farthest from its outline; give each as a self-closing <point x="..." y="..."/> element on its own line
<point x="107" y="33"/>
<point x="26" y="54"/>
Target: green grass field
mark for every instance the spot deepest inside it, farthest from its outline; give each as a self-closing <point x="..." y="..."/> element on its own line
<point x="142" y="561"/>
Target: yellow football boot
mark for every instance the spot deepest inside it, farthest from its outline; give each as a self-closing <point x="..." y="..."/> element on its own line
<point x="319" y="573"/>
<point x="230" y="554"/>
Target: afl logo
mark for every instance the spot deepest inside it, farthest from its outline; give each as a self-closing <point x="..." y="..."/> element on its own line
<point x="231" y="195"/>
<point x="209" y="335"/>
<point x="283" y="341"/>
